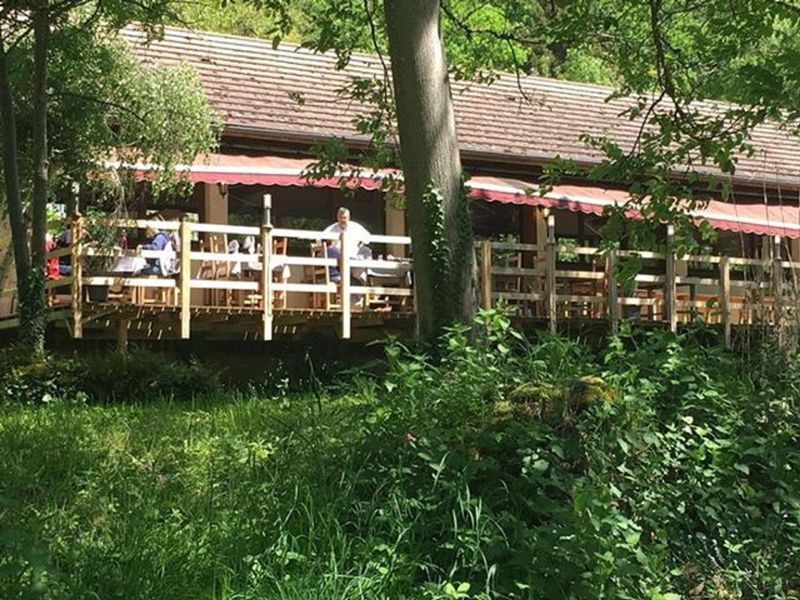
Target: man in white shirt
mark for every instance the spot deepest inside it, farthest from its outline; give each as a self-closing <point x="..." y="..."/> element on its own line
<point x="357" y="235"/>
<point x="357" y="240"/>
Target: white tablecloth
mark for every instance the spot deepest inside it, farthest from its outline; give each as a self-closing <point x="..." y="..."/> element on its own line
<point x="128" y="264"/>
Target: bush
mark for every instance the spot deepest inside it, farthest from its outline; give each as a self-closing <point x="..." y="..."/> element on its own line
<point x="136" y="377"/>
<point x="659" y="468"/>
<point x="39" y="382"/>
<point x="141" y="376"/>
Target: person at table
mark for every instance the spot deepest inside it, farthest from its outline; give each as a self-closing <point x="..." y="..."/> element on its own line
<point x="357" y="234"/>
<point x="52" y="263"/>
<point x="357" y="248"/>
<point x="158" y="241"/>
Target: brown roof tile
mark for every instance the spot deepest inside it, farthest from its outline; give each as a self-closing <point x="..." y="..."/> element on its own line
<point x="291" y="90"/>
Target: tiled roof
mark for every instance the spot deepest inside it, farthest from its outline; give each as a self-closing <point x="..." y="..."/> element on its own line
<point x="292" y="93"/>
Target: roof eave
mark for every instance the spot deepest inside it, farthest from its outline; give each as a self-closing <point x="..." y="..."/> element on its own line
<point x="473" y="154"/>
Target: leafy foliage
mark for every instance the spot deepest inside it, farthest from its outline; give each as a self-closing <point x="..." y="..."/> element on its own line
<point x="656" y="468"/>
<point x="137" y="377"/>
<point x="109" y="106"/>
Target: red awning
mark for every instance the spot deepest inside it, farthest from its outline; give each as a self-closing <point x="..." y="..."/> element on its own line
<point x="760" y="219"/>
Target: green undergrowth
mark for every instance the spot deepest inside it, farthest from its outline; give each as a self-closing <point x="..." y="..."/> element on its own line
<point x="660" y="468"/>
<point x="137" y="377"/>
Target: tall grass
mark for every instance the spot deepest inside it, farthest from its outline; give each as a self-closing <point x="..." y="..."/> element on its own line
<point x="502" y="469"/>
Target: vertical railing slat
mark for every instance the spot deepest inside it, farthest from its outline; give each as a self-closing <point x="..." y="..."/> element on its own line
<point x="613" y="299"/>
<point x="670" y="291"/>
<point x="725" y="298"/>
<point x="185" y="279"/>
<point x="551" y="273"/>
<point x="344" y="257"/>
<point x="266" y="268"/>
<point x="486" y="273"/>
<point x="777" y="280"/>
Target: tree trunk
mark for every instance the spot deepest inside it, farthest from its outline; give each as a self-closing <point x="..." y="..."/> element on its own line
<point x="13" y="196"/>
<point x="33" y="320"/>
<point x="437" y="205"/>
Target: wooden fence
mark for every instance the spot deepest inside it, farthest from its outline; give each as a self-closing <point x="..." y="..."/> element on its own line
<point x="210" y="275"/>
<point x="552" y="281"/>
<point x="557" y="281"/>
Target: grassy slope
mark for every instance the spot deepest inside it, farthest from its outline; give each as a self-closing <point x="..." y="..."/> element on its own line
<point x="679" y="474"/>
<point x="161" y="501"/>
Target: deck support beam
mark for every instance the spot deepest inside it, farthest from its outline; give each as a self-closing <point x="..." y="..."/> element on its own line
<point x="185" y="279"/>
<point x="122" y="336"/>
<point x="266" y="268"/>
<point x="550" y="267"/>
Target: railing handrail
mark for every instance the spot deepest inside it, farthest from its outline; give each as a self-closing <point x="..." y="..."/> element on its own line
<point x="541" y="274"/>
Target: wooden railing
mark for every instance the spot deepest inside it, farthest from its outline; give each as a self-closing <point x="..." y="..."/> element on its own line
<point x="555" y="281"/>
<point x="552" y="281"/>
<point x="205" y="278"/>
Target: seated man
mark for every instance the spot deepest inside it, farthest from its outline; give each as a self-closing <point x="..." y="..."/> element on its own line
<point x="357" y="239"/>
<point x="357" y="235"/>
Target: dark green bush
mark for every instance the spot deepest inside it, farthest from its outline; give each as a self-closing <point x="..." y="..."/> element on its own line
<point x="136" y="377"/>
<point x="39" y="382"/>
<point x="141" y="376"/>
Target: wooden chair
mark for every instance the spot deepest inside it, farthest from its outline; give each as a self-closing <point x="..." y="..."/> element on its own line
<point x="206" y="270"/>
<point x="280" y="247"/>
<point x="222" y="271"/>
<point x="322" y="275"/>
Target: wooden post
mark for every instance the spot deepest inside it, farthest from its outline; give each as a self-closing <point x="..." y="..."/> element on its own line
<point x="345" y="284"/>
<point x="266" y="268"/>
<point x="777" y="278"/>
<point x="122" y="336"/>
<point x="613" y="300"/>
<point x="550" y="268"/>
<point x="77" y="277"/>
<point x="486" y="273"/>
<point x="671" y="288"/>
<point x="725" y="298"/>
<point x="185" y="279"/>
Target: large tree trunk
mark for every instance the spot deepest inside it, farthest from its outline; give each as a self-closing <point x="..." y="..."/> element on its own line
<point x="33" y="320"/>
<point x="437" y="205"/>
<point x="13" y="196"/>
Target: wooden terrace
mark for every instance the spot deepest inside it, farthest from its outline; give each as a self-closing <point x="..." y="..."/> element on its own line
<point x="220" y="294"/>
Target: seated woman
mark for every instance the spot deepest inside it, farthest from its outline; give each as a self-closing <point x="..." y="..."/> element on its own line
<point x="158" y="241"/>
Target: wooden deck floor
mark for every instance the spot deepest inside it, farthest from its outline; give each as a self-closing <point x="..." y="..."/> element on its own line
<point x="125" y="323"/>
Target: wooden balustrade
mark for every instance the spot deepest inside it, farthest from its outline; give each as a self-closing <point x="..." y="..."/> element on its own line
<point x="551" y="281"/>
<point x="551" y="288"/>
<point x="252" y="290"/>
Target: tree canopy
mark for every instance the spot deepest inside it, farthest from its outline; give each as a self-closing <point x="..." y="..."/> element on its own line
<point x="63" y="65"/>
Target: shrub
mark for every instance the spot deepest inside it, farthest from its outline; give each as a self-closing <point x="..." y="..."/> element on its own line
<point x="141" y="376"/>
<point x="39" y="382"/>
<point x="136" y="377"/>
